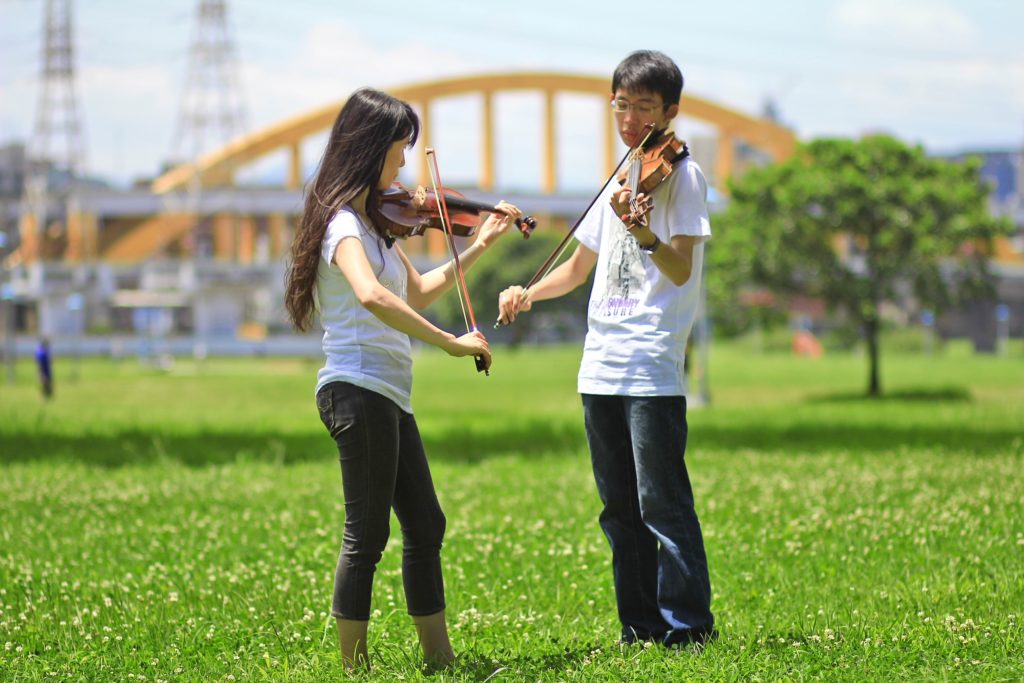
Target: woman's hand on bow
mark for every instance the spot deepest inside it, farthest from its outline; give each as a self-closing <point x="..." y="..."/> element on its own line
<point x="470" y="344"/>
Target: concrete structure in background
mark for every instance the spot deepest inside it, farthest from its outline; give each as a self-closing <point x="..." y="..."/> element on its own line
<point x="162" y="260"/>
<point x="196" y="254"/>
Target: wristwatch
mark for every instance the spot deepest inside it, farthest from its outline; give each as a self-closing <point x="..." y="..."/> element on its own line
<point x="652" y="247"/>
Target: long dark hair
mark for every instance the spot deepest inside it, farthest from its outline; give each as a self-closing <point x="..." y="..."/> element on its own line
<point x="365" y="128"/>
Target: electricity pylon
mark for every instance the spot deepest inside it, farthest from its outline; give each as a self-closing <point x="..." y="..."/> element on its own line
<point x="212" y="110"/>
<point x="56" y="150"/>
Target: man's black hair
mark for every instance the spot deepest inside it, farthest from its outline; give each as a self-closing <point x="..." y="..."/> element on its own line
<point x="649" y="71"/>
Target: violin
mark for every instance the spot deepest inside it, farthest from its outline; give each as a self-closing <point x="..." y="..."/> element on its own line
<point x="650" y="163"/>
<point x="408" y="213"/>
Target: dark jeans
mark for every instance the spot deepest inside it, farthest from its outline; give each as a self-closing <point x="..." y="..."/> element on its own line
<point x="383" y="465"/>
<point x="637" y="447"/>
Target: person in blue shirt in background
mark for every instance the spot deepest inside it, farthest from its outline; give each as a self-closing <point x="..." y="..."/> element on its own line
<point x="43" y="363"/>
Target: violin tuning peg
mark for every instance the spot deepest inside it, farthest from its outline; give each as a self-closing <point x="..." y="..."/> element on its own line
<point x="526" y="225"/>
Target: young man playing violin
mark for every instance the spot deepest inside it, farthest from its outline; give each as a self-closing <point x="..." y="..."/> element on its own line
<point x="631" y="379"/>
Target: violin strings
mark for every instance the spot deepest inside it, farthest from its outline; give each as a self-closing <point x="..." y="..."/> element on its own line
<point x="636" y="167"/>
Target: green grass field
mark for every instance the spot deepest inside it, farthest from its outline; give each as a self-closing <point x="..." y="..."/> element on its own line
<point x="183" y="525"/>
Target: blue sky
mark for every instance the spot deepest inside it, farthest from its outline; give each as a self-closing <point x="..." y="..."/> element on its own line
<point x="948" y="74"/>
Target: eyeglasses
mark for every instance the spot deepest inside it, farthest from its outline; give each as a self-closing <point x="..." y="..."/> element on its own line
<point x="622" y="106"/>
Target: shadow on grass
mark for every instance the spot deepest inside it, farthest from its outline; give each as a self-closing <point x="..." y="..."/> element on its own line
<point x="824" y="437"/>
<point x="526" y="439"/>
<point x="567" y="659"/>
<point x="937" y="395"/>
<point x="502" y="667"/>
<point x="532" y="439"/>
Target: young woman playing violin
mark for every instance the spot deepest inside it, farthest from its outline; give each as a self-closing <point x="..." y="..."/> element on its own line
<point x="346" y="268"/>
<point x="642" y="307"/>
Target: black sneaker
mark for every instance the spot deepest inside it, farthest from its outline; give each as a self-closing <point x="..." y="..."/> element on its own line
<point x="683" y="639"/>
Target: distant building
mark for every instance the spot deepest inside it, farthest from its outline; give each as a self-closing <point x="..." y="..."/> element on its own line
<point x="12" y="170"/>
<point x="1004" y="169"/>
<point x="985" y="321"/>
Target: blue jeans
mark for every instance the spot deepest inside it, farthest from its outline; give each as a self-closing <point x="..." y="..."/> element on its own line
<point x="637" y="448"/>
<point x="383" y="466"/>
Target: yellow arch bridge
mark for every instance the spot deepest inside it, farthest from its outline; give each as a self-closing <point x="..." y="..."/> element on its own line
<point x="244" y="224"/>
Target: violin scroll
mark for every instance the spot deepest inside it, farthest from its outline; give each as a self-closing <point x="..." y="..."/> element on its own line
<point x="526" y="225"/>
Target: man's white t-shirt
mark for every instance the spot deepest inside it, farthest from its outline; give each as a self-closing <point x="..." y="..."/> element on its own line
<point x="360" y="349"/>
<point x="638" y="320"/>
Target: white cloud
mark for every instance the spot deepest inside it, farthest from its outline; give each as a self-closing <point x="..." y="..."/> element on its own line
<point x="335" y="60"/>
<point x="17" y="107"/>
<point x="944" y="104"/>
<point x="130" y="112"/>
<point x="928" y="80"/>
<point x="908" y="23"/>
<point x="741" y="92"/>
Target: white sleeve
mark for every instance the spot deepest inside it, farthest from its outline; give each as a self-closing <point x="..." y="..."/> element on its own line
<point x="689" y="208"/>
<point x="344" y="224"/>
<point x="589" y="232"/>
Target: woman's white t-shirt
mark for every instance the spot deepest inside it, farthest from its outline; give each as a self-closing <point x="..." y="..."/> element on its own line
<point x="360" y="349"/>
<point x="638" y="321"/>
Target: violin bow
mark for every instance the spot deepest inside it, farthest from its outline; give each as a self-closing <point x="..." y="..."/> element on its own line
<point x="460" y="277"/>
<point x="549" y="263"/>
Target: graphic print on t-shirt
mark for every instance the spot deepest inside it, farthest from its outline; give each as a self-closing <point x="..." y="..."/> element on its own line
<point x="624" y="278"/>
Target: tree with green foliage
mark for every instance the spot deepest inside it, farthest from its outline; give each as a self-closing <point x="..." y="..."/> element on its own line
<point x="858" y="223"/>
<point x="513" y="261"/>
